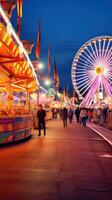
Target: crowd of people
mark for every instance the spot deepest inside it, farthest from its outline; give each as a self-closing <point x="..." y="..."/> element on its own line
<point x="80" y="114"/>
<point x="66" y="114"/>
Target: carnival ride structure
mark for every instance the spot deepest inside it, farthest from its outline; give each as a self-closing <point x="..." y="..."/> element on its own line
<point x="92" y="69"/>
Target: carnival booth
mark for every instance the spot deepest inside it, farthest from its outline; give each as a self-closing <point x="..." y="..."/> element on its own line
<point x="17" y="81"/>
<point x="102" y="112"/>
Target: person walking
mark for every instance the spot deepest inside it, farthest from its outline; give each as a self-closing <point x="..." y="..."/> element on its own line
<point x="70" y="115"/>
<point x="41" y="114"/>
<point x="84" y="116"/>
<point x="65" y="116"/>
<point x="77" y="114"/>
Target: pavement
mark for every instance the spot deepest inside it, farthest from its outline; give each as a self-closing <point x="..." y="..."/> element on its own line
<point x="103" y="132"/>
<point x="72" y="163"/>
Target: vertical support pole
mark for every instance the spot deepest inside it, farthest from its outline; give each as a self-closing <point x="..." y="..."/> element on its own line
<point x="19" y="26"/>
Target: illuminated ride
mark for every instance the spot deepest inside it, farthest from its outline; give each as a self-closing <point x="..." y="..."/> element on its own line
<point x="18" y="81"/>
<point x="92" y="69"/>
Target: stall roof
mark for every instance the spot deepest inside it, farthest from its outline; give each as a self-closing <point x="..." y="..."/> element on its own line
<point x="15" y="64"/>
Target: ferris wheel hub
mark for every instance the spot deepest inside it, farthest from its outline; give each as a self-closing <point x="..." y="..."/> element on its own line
<point x="99" y="70"/>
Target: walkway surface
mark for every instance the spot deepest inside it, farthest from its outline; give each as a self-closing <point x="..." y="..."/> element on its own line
<point x="103" y="132"/>
<point x="72" y="163"/>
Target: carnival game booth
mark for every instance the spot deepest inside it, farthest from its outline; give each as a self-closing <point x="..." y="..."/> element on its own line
<point x="17" y="81"/>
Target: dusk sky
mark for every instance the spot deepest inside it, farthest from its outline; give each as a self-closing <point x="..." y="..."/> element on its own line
<point x="66" y="25"/>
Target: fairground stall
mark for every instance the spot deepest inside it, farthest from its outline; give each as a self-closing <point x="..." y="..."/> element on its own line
<point x="17" y="81"/>
<point x="102" y="112"/>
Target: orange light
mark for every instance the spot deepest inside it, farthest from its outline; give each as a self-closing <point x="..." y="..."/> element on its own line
<point x="16" y="52"/>
<point x="19" y="7"/>
<point x="17" y="86"/>
<point x="17" y="66"/>
<point x="26" y="67"/>
<point x="14" y="48"/>
<point x="5" y="36"/>
<point x="20" y="69"/>
<point x="1" y="27"/>
<point x="29" y="71"/>
<point x="9" y="41"/>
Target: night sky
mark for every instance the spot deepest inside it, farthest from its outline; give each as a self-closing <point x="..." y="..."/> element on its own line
<point x="66" y="25"/>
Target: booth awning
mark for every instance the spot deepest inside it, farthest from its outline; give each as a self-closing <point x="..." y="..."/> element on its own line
<point x="14" y="63"/>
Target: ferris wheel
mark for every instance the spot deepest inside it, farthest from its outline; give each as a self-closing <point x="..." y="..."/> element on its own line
<point x="92" y="69"/>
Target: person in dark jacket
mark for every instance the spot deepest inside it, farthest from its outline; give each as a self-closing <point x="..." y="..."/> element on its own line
<point x="64" y="117"/>
<point x="41" y="114"/>
<point x="77" y="114"/>
<point x="70" y="115"/>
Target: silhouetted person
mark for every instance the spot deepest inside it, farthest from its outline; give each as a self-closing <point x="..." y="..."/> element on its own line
<point x="77" y="114"/>
<point x="105" y="114"/>
<point x="70" y="115"/>
<point x="41" y="114"/>
<point x="64" y="117"/>
<point x="84" y="116"/>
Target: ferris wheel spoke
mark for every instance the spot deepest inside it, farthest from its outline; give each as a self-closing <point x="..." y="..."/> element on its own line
<point x="103" y="48"/>
<point x="92" y="56"/>
<point x="83" y="80"/>
<point x="83" y="76"/>
<point x="82" y="61"/>
<point x="84" y="83"/>
<point x="109" y="59"/>
<point x="108" y="63"/>
<point x="109" y="80"/>
<point x="110" y="76"/>
<point x="107" y="49"/>
<point x="107" y="85"/>
<point x="107" y="89"/>
<point x="87" y="100"/>
<point x="101" y="84"/>
<point x="94" y="52"/>
<point x="99" y="43"/>
<point x="87" y="59"/>
<point x="92" y="90"/>
<point x="84" y="64"/>
<point x="83" y="69"/>
<point x="88" y="87"/>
